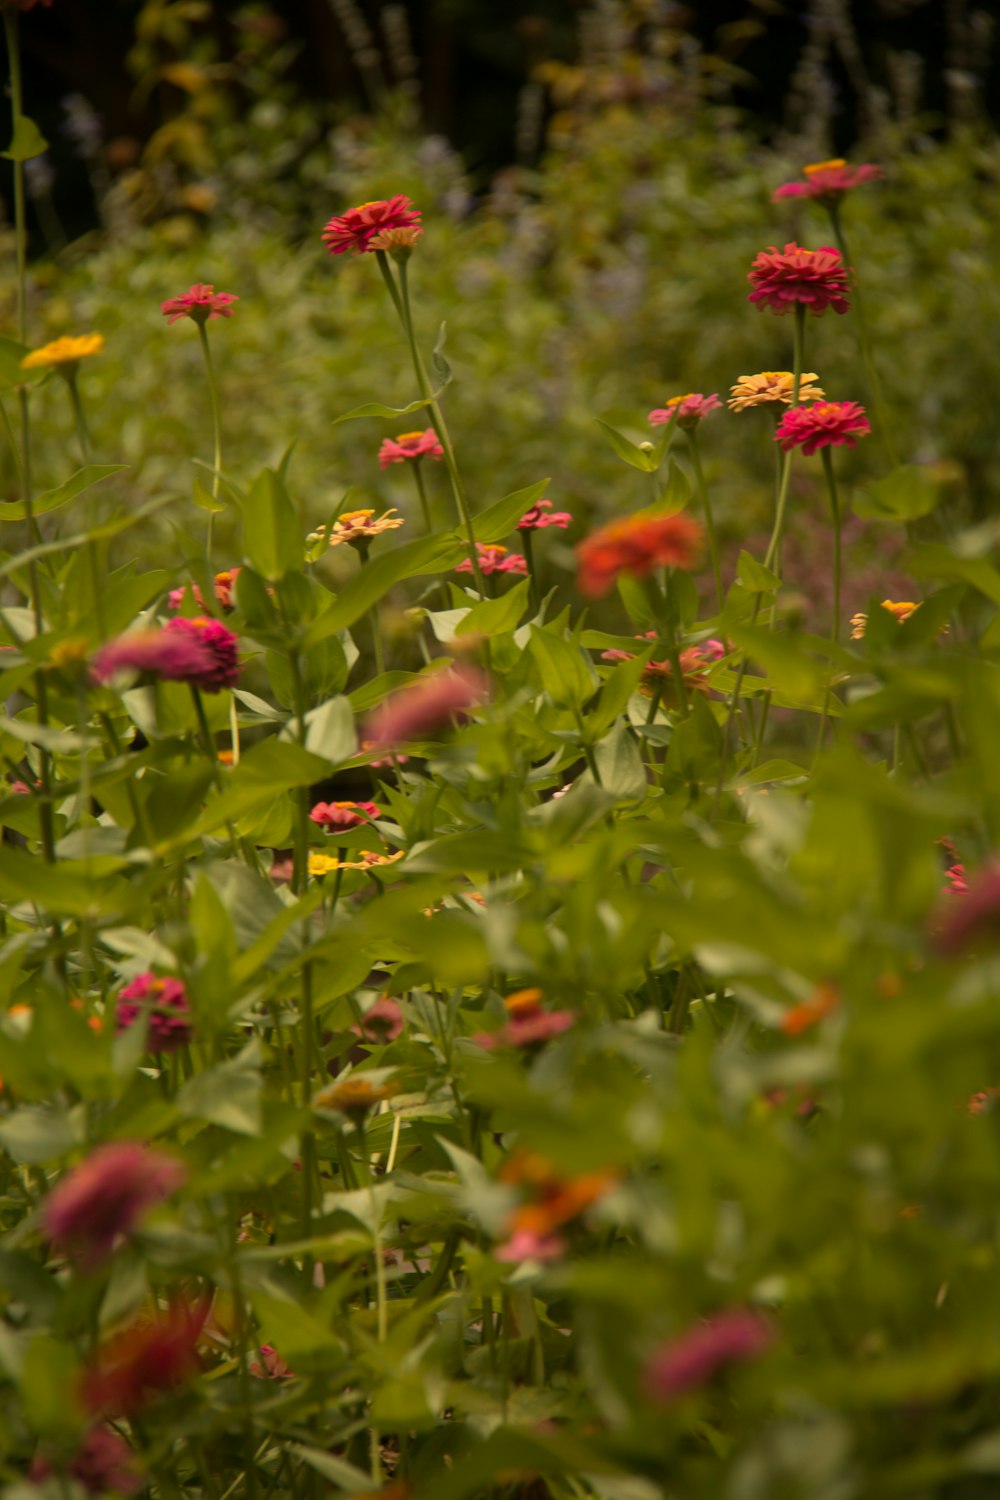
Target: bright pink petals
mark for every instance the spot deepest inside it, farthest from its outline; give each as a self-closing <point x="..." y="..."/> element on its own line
<point x="408" y="446"/>
<point x="343" y="815"/>
<point x="218" y="645"/>
<point x="201" y="304"/>
<point x="494" y="559"/>
<point x="636" y="546"/>
<point x="171" y="656"/>
<point x="814" y="279"/>
<point x="165" y="1002"/>
<point x="688" y="1362"/>
<point x="689" y="411"/>
<point x="356" y="229"/>
<point x="824" y="424"/>
<point x="425" y="707"/>
<point x="541" y="515"/>
<point x="103" y="1199"/>
<point x="828" y="181"/>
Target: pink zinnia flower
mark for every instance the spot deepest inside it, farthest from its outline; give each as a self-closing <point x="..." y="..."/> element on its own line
<point x="104" y="1198"/>
<point x="174" y="657"/>
<point x="828" y="181"/>
<point x="964" y="924"/>
<point x="824" y="424"/>
<point x="154" y="1354"/>
<point x="410" y="445"/>
<point x="494" y="559"/>
<point x="689" y="410"/>
<point x="636" y="546"/>
<point x="815" y="278"/>
<point x="217" y="642"/>
<point x="344" y="815"/>
<point x="382" y="1022"/>
<point x="103" y="1463"/>
<point x="165" y="1001"/>
<point x="684" y="1364"/>
<point x="201" y="304"/>
<point x="430" y="704"/>
<point x="356" y="229"/>
<point x="541" y="515"/>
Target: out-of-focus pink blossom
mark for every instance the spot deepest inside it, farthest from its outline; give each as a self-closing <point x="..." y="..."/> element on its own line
<point x="156" y="653"/>
<point x="684" y="1364"/>
<point x="165" y="1001"/>
<point x="424" y="707"/>
<point x="541" y="515"/>
<point x="828" y="181"/>
<point x="494" y="559"/>
<point x="103" y="1199"/>
<point x="220" y="645"/>
<point x="524" y="1244"/>
<point x="382" y="1022"/>
<point x="689" y="410"/>
<point x="343" y="815"/>
<point x="103" y="1463"/>
<point x="154" y="1354"/>
<point x="975" y="920"/>
<point x="410" y="445"/>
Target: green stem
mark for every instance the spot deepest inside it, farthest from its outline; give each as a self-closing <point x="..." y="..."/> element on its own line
<point x="831" y="485"/>
<point x="12" y="440"/>
<point x="213" y="392"/>
<point x="527" y="547"/>
<point x="864" y="340"/>
<point x="83" y="435"/>
<point x="701" y="487"/>
<point x="422" y="492"/>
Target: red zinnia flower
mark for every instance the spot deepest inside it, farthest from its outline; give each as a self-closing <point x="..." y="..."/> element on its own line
<point x="173" y="656"/>
<point x="636" y="545"/>
<point x="201" y="304"/>
<point x="102" y="1463"/>
<point x="218" y="642"/>
<point x="824" y="424"/>
<point x="105" y="1197"/>
<point x="165" y="1001"/>
<point x="828" y="181"/>
<point x="430" y="704"/>
<point x="689" y="410"/>
<point x="541" y="515"/>
<point x="817" y="279"/>
<point x="734" y="1336"/>
<point x="410" y="445"/>
<point x="343" y="815"/>
<point x="356" y="229"/>
<point x="494" y="559"/>
<point x="154" y="1354"/>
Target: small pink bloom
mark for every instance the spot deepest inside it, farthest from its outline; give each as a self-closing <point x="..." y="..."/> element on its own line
<point x="733" y="1336"/>
<point x="689" y="410"/>
<point x="541" y="515"/>
<point x="21" y="788"/>
<point x="102" y="1463"/>
<point x="957" y="885"/>
<point x="165" y="1002"/>
<point x="494" y="559"/>
<point x="528" y="1030"/>
<point x="828" y="181"/>
<point x="218" y="642"/>
<point x="817" y="279"/>
<point x="961" y="925"/>
<point x="355" y="229"/>
<point x="344" y="815"/>
<point x="525" y="1244"/>
<point x="202" y="303"/>
<point x="270" y="1366"/>
<point x="382" y="1022"/>
<point x="430" y="704"/>
<point x="824" y="424"/>
<point x="410" y="445"/>
<point x="104" y="1198"/>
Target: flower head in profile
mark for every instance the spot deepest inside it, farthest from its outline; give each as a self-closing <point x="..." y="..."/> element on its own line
<point x="171" y="656"/>
<point x="814" y="279"/>
<point x="687" y="410"/>
<point x="201" y="303"/>
<point x="430" y="704"/>
<point x="770" y="386"/>
<point x="359" y="527"/>
<point x="102" y="1464"/>
<point x="494" y="559"/>
<point x="355" y="230"/>
<point x="408" y="446"/>
<point x="270" y="1366"/>
<point x="825" y="424"/>
<point x="689" y="1361"/>
<point x="64" y="353"/>
<point x="828" y="181"/>
<point x="154" y="1354"/>
<point x="901" y="610"/>
<point x="343" y="815"/>
<point x="398" y="243"/>
<point x="529" y="1022"/>
<point x="103" y="1199"/>
<point x="636" y="546"/>
<point x="217" y="642"/>
<point x="355" y="1097"/>
<point x="165" y="1002"/>
<point x="657" y="676"/>
<point x="541" y="515"/>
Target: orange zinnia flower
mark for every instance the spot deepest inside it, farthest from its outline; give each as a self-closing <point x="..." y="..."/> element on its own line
<point x="636" y="545"/>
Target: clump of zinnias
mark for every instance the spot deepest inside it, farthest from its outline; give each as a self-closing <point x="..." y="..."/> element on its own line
<point x="494" y="559"/>
<point x="687" y="1362"/>
<point x="556" y="1202"/>
<point x="165" y="1002"/>
<point x="636" y="546"/>
<point x="688" y="410"/>
<point x="657" y="676"/>
<point x="828" y="181"/>
<point x="796" y="277"/>
<point x="426" y="706"/>
<point x="340" y="816"/>
<point x="381" y="1023"/>
<point x="223" y="584"/>
<point x="102" y="1200"/>
<point x="355" y="229"/>
<point x="409" y="446"/>
<point x="201" y="303"/>
<point x="825" y="424"/>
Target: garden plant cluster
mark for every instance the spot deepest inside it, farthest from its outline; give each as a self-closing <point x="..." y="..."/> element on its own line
<point x="468" y="1036"/>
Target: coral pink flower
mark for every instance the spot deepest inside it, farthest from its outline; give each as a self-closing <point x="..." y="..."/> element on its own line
<point x="657" y="676"/>
<point x="961" y="925"/>
<point x="424" y="707"/>
<point x="541" y="515"/>
<point x="344" y="815"/>
<point x="824" y="424"/>
<point x="356" y="229"/>
<point x="270" y="1366"/>
<point x="689" y="410"/>
<point x="218" y="642"/>
<point x="684" y="1364"/>
<point x="201" y="304"/>
<point x="174" y="657"/>
<point x="816" y="279"/>
<point x="223" y="584"/>
<point x="527" y="1031"/>
<point x="104" y="1198"/>
<point x="525" y="1244"/>
<point x="382" y="1022"/>
<point x="410" y="445"/>
<point x="957" y="885"/>
<point x="165" y="1001"/>
<point x="828" y="181"/>
<point x="103" y="1463"/>
<point x="156" y="1353"/>
<point x="636" y="546"/>
<point x="494" y="559"/>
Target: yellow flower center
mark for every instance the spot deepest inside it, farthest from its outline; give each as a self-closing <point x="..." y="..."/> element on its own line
<point x="824" y="166"/>
<point x="354" y="515"/>
<point x="409" y="437"/>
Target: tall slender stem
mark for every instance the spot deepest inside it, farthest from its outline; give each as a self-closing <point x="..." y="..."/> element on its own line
<point x="706" y="505"/>
<point x="864" y="340"/>
<point x="422" y="492"/>
<point x="82" y="433"/>
<point x="213" y="392"/>
<point x="831" y="485"/>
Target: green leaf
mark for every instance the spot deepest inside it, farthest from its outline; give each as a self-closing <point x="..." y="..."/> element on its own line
<point x="567" y="674"/>
<point x="83" y="479"/>
<point x="801" y="679"/>
<point x="33" y="1135"/>
<point x="336" y="1469"/>
<point x="263" y="772"/>
<point x="26" y="878"/>
<point x="427" y="555"/>
<point x="26" y="142"/>
<point x="935" y="560"/>
<point x="330" y="731"/>
<point x="638" y="458"/>
<point x="442" y="368"/>
<point x="619" y="765"/>
<point x="50" y="1380"/>
<point x="909" y="492"/>
<point x="754" y="576"/>
<point x="203" y="497"/>
<point x="272" y="533"/>
<point x="499" y="519"/>
<point x="227" y="1095"/>
<point x="375" y="409"/>
<point x="498" y="616"/>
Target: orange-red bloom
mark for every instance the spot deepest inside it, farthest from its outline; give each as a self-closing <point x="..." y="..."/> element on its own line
<point x="815" y="279"/>
<point x="636" y="546"/>
<point x="356" y="229"/>
<point x="821" y="1003"/>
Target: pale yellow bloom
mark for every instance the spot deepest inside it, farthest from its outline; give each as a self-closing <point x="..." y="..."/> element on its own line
<point x="772" y="385"/>
<point x="64" y="351"/>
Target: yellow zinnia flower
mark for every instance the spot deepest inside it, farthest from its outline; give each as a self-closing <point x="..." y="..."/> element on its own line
<point x="772" y="385"/>
<point x="64" y="351"/>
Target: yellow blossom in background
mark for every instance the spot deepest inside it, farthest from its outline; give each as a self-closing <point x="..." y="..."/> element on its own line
<point x="772" y="385"/>
<point x="362" y="525"/>
<point x="354" y="1097"/>
<point x="902" y="611"/>
<point x="325" y="864"/>
<point x="64" y="351"/>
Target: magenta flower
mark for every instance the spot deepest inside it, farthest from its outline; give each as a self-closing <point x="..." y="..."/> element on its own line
<point x="814" y="279"/>
<point x="541" y="515"/>
<point x="382" y="1022"/>
<point x="216" y="642"/>
<point x="355" y="229"/>
<point x="432" y="703"/>
<point x="171" y="656"/>
<point x="102" y="1464"/>
<point x="824" y="424"/>
<point x="494" y="559"/>
<point x="201" y="304"/>
<point x="734" y="1336"/>
<point x="165" y="1002"/>
<point x="689" y="410"/>
<point x="344" y="815"/>
<point x="103" y="1199"/>
<point x="828" y="181"/>
<point x="408" y="446"/>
